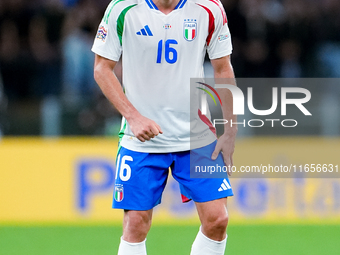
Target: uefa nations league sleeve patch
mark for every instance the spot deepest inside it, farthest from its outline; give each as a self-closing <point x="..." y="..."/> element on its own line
<point x="102" y="33"/>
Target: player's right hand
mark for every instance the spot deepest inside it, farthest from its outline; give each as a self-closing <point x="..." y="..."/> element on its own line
<point x="143" y="128"/>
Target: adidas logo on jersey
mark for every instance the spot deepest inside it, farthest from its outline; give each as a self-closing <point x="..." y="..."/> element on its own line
<point x="145" y="31"/>
<point x="224" y="186"/>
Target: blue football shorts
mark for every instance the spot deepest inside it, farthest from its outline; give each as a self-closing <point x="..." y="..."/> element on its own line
<point x="141" y="178"/>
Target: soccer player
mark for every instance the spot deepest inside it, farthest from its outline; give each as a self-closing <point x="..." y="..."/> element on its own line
<point x="163" y="44"/>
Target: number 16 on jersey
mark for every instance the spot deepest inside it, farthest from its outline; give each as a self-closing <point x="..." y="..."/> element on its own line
<point x="170" y="53"/>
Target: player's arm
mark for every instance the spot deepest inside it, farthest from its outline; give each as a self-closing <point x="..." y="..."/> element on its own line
<point x="142" y="127"/>
<point x="226" y="143"/>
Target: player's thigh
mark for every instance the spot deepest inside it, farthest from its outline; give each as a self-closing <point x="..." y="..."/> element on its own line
<point x="140" y="179"/>
<point x="206" y="187"/>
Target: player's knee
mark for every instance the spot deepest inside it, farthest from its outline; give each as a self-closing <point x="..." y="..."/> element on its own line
<point x="220" y="222"/>
<point x="215" y="227"/>
<point x="139" y="223"/>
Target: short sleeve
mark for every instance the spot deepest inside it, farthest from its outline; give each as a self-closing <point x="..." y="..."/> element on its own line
<point x="106" y="42"/>
<point x="220" y="43"/>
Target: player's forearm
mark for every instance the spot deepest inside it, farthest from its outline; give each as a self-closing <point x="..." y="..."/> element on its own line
<point x="227" y="111"/>
<point x="225" y="75"/>
<point x="112" y="89"/>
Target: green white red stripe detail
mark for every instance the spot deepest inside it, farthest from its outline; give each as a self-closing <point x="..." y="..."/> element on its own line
<point x="109" y="10"/>
<point x="224" y="15"/>
<point x="211" y="23"/>
<point x="190" y="34"/>
<point x="120" y="22"/>
<point x="119" y="195"/>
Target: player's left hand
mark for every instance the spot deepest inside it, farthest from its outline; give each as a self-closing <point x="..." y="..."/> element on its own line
<point x="226" y="145"/>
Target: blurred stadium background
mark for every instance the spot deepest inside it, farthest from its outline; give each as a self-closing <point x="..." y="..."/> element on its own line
<point x="58" y="134"/>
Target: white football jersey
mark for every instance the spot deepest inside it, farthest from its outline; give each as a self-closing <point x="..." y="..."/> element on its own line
<point x="160" y="53"/>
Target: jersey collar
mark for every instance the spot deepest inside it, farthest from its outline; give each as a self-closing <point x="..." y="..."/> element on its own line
<point x="180" y="4"/>
<point x="152" y="5"/>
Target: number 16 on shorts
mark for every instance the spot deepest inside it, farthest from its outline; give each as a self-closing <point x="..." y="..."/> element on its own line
<point x="123" y="170"/>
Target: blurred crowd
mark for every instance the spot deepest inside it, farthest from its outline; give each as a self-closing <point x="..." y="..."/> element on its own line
<point x="285" y="38"/>
<point x="45" y="44"/>
<point x="45" y="56"/>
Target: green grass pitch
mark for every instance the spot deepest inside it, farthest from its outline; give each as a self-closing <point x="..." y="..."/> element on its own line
<point x="169" y="240"/>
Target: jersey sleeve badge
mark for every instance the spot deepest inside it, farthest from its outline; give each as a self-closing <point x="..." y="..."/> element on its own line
<point x="102" y="33"/>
